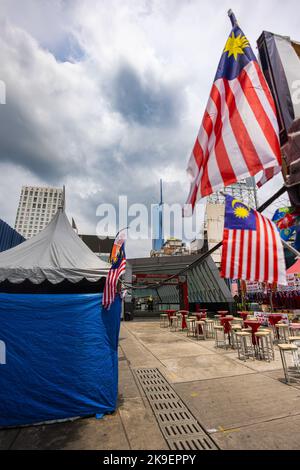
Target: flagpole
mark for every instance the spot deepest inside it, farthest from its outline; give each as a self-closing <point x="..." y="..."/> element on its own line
<point x="232" y="18"/>
<point x="125" y="228"/>
<point x="291" y="248"/>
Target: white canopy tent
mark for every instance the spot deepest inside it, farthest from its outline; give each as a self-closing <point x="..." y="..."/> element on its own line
<point x="55" y="254"/>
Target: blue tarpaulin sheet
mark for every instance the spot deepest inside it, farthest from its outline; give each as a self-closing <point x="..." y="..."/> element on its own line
<point x="61" y="357"/>
<point x="9" y="237"/>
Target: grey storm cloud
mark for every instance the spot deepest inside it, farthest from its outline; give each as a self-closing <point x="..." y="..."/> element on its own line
<point x="145" y="101"/>
<point x="107" y="97"/>
<point x="23" y="144"/>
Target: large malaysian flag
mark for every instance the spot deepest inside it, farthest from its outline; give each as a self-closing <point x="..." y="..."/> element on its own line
<point x="239" y="134"/>
<point x="252" y="248"/>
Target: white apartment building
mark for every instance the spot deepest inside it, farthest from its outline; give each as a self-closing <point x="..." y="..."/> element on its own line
<point x="37" y="207"/>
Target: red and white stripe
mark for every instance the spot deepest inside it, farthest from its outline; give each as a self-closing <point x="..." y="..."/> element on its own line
<point x="254" y="255"/>
<point x="238" y="137"/>
<point x="110" y="288"/>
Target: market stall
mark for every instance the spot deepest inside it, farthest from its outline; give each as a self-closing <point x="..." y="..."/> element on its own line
<point x="61" y="346"/>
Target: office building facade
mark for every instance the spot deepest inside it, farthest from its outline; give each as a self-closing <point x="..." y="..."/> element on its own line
<point x="37" y="207"/>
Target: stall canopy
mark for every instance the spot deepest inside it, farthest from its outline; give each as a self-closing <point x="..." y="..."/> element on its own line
<point x="60" y="352"/>
<point x="55" y="254"/>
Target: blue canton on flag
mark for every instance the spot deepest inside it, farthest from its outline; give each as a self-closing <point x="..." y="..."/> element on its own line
<point x="252" y="249"/>
<point x="236" y="55"/>
<point x="238" y="216"/>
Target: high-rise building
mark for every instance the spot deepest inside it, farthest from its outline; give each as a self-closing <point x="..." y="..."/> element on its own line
<point x="37" y="207"/>
<point x="157" y="217"/>
<point x="171" y="247"/>
<point x="244" y="190"/>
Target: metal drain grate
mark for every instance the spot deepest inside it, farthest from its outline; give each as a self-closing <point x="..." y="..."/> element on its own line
<point x="199" y="443"/>
<point x="179" y="427"/>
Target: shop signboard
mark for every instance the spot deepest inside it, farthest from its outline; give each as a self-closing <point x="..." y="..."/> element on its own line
<point x="264" y="317"/>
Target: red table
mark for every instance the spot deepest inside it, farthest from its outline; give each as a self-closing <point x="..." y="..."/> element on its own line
<point x="244" y="315"/>
<point x="170" y="313"/>
<point x="199" y="309"/>
<point x="223" y="313"/>
<point x="225" y="322"/>
<point x="254" y="325"/>
<point x="274" y="318"/>
<point x="184" y="314"/>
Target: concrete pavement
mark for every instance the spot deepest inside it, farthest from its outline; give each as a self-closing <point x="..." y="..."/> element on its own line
<point x="240" y="405"/>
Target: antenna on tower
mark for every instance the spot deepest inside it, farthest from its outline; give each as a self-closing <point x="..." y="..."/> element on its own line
<point x="161" y="193"/>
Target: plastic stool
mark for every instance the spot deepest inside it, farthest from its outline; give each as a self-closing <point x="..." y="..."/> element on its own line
<point x="164" y="320"/>
<point x="234" y="330"/>
<point x="209" y="328"/>
<point x="174" y="323"/>
<point x="244" y="346"/>
<point x="286" y="348"/>
<point x="200" y="329"/>
<point x="190" y="322"/>
<point x="220" y="337"/>
<point x="263" y="347"/>
<point x="283" y="332"/>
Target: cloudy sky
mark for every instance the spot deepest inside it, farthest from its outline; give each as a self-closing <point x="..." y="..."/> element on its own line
<point x="106" y="97"/>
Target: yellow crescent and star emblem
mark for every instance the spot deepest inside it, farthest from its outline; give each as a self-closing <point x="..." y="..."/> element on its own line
<point x="235" y="45"/>
<point x="240" y="210"/>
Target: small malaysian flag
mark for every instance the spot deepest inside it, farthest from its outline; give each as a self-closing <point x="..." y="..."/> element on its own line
<point x="239" y="135"/>
<point x="118" y="267"/>
<point x="252" y="248"/>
